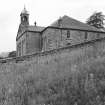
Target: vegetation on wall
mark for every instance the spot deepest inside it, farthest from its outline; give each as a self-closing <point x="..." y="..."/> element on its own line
<point x="96" y="20"/>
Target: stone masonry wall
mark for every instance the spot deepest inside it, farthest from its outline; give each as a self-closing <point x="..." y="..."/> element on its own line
<point x="21" y="45"/>
<point x="33" y="42"/>
<point x="75" y="54"/>
<point x="57" y="38"/>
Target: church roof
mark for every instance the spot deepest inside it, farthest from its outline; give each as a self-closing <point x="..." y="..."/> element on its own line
<point x="35" y="28"/>
<point x="68" y="22"/>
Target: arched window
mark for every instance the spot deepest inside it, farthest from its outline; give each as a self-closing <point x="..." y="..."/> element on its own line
<point x="68" y="34"/>
<point x="86" y="35"/>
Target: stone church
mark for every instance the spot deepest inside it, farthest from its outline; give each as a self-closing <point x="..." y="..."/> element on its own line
<point x="65" y="31"/>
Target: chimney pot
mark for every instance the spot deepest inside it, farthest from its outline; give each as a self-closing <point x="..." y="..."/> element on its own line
<point x="35" y="23"/>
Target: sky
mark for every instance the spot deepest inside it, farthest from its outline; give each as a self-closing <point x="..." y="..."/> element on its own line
<point x="44" y="12"/>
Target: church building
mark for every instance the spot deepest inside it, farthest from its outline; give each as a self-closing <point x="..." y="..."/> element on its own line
<point x="65" y="31"/>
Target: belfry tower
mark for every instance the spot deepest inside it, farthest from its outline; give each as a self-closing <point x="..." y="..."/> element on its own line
<point x="24" y="21"/>
<point x="24" y="17"/>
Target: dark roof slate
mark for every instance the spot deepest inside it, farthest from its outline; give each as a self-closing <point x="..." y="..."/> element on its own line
<point x="68" y="22"/>
<point x="35" y="28"/>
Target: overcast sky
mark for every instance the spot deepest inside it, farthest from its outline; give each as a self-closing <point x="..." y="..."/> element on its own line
<point x="44" y="12"/>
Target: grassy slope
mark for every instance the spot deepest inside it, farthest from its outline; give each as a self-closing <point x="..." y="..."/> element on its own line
<point x="57" y="83"/>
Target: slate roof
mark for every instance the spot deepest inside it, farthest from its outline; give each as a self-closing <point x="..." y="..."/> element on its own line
<point x="68" y="22"/>
<point x="35" y="28"/>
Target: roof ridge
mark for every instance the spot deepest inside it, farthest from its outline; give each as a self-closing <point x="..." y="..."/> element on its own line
<point x="69" y="22"/>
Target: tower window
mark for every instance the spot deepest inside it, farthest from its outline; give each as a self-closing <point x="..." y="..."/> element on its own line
<point x="25" y="19"/>
<point x="68" y="34"/>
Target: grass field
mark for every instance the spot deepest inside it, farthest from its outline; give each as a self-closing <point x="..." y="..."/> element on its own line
<point x="58" y="82"/>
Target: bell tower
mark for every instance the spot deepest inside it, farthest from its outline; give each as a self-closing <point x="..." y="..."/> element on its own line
<point x="24" y="17"/>
<point x="24" y="21"/>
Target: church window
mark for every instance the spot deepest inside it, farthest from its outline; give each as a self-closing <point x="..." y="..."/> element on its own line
<point x="50" y="43"/>
<point x="19" y="49"/>
<point x="61" y="34"/>
<point x="98" y="35"/>
<point x="44" y="42"/>
<point x="86" y="35"/>
<point x="22" y="46"/>
<point x="68" y="34"/>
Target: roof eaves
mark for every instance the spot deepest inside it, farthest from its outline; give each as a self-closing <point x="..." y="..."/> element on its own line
<point x="34" y="31"/>
<point x="98" y="31"/>
<point x="36" y="28"/>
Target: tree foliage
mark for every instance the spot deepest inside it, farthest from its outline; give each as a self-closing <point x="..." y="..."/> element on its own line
<point x="96" y="20"/>
<point x="12" y="54"/>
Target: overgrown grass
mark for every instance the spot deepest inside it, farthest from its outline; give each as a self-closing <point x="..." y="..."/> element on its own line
<point x="57" y="83"/>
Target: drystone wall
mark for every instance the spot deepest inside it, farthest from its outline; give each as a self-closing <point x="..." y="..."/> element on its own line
<point x="74" y="54"/>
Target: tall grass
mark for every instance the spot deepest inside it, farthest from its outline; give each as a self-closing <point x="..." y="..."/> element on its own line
<point x="58" y="82"/>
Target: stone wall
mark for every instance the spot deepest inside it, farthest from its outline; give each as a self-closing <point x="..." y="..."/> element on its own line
<point x="21" y="45"/>
<point x="33" y="42"/>
<point x="75" y="54"/>
<point x="56" y="38"/>
<point x="28" y="43"/>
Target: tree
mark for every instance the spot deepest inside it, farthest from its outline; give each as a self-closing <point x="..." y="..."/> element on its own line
<point x="12" y="54"/>
<point x="1" y="57"/>
<point x="96" y="20"/>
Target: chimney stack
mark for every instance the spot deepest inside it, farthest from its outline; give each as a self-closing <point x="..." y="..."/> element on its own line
<point x="35" y="23"/>
<point x="60" y="22"/>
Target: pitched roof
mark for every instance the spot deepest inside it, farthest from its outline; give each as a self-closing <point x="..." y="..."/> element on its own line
<point x="35" y="28"/>
<point x="68" y="22"/>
